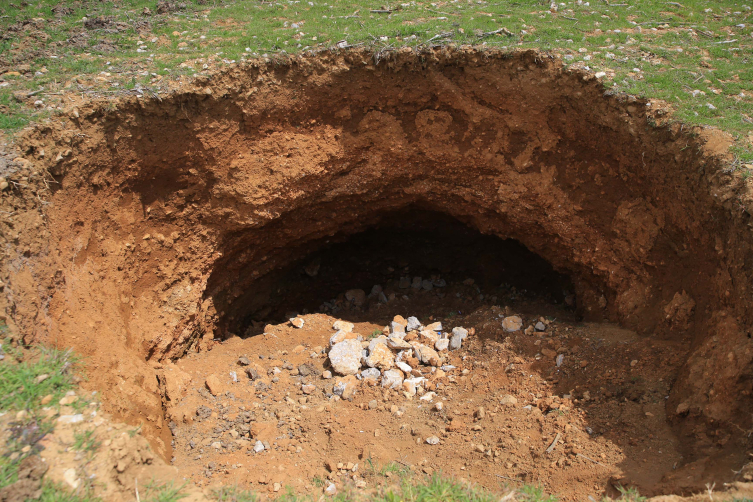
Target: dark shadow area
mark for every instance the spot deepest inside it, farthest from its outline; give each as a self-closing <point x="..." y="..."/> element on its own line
<point x="405" y="244"/>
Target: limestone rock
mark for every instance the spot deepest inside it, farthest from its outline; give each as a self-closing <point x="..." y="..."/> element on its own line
<point x="512" y="323"/>
<point x="426" y="354"/>
<point x="381" y="357"/>
<point x="356" y="296"/>
<point x="392" y="379"/>
<point x="345" y="387"/>
<point x="435" y="326"/>
<point x="298" y="322"/>
<point x="345" y="357"/>
<point x="176" y="382"/>
<point x="442" y="344"/>
<point x="413" y="324"/>
<point x="458" y="335"/>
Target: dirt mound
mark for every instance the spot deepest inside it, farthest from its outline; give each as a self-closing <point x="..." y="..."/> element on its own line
<point x="169" y="222"/>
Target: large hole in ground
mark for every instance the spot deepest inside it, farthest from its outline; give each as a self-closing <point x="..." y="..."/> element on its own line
<point x="177" y="226"/>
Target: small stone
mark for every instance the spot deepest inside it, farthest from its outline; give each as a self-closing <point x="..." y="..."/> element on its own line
<point x="21" y="415"/>
<point x="397" y="329"/>
<point x="68" y="400"/>
<point x="458" y="335"/>
<point x="560" y="359"/>
<point x="480" y="413"/>
<point x="416" y="283"/>
<point x="330" y="490"/>
<point x="512" y="323"/>
<point x="345" y="387"/>
<point x="276" y="487"/>
<point x="308" y="388"/>
<point x="373" y="404"/>
<point x="413" y="324"/>
<point x="42" y="378"/>
<point x="345" y="357"/>
<point x="258" y="447"/>
<point x="540" y="326"/>
<point x="392" y="379"/>
<point x="371" y="373"/>
<point x="682" y="408"/>
<point x="70" y="478"/>
<point x="326" y="374"/>
<point x="435" y="326"/>
<point x="404" y="283"/>
<point x="550" y="353"/>
<point x="216" y="445"/>
<point x="345" y="326"/>
<point x="432" y="440"/>
<point x="46" y="400"/>
<point x="404" y="367"/>
<point x="439" y="406"/>
<point x="427" y="285"/>
<point x="442" y="344"/>
<point x="214" y="385"/>
<point x="508" y="400"/>
<point x="397" y="343"/>
<point x="244" y="361"/>
<point x="634" y="363"/>
<point x="298" y="322"/>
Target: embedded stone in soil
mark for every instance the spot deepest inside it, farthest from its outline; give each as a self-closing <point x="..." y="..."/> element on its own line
<point x="175" y="223"/>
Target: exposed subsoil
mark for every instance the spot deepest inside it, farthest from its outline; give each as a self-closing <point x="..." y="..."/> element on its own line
<point x="178" y="234"/>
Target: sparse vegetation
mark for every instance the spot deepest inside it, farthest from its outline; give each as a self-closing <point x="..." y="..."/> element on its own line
<point x="24" y="385"/>
<point x="233" y="494"/>
<point x="164" y="492"/>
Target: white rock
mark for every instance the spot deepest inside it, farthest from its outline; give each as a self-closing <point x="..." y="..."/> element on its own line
<point x="508" y="400"/>
<point x="432" y="440"/>
<point x="71" y="419"/>
<point x="392" y="379"/>
<point x="458" y="335"/>
<point x="442" y="344"/>
<point x="345" y="357"/>
<point x="413" y="324"/>
<point x="428" y="396"/>
<point x="259" y="447"/>
<point x="69" y="476"/>
<point x="404" y="367"/>
<point x="298" y="322"/>
<point x="337" y="337"/>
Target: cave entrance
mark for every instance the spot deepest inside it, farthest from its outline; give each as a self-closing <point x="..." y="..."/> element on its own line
<point x="427" y="259"/>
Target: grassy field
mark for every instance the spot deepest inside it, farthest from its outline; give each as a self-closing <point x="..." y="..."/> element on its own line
<point x="694" y="54"/>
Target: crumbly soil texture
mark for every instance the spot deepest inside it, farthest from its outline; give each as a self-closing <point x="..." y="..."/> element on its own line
<point x="597" y="259"/>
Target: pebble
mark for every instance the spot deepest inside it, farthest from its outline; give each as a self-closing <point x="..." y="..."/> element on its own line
<point x="244" y="361"/>
<point x="540" y="326"/>
<point x="427" y="285"/>
<point x="416" y="284"/>
<point x="68" y="400"/>
<point x="46" y="400"/>
<point x="42" y="378"/>
<point x="435" y="326"/>
<point x="432" y="440"/>
<point x="397" y="329"/>
<point x="439" y="406"/>
<point x="512" y="323"/>
<point x="259" y="447"/>
<point x="397" y="343"/>
<point x="392" y="379"/>
<point x="213" y="384"/>
<point x="404" y="283"/>
<point x="480" y="413"/>
<point x="330" y="490"/>
<point x="508" y="400"/>
<point x="442" y="344"/>
<point x="326" y="374"/>
<point x="298" y="322"/>
<point x="560" y="359"/>
<point x="21" y="415"/>
<point x="371" y="373"/>
<point x="345" y="357"/>
<point x="71" y="419"/>
<point x="308" y="388"/>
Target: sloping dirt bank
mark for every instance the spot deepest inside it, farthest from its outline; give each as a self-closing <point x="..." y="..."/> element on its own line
<point x="166" y="215"/>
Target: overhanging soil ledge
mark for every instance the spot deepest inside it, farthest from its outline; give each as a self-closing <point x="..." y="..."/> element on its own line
<point x="166" y="215"/>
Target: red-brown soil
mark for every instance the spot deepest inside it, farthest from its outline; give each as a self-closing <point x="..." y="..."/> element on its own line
<point x="169" y="225"/>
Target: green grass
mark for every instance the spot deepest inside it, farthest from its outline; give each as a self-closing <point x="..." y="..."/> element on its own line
<point x="694" y="55"/>
<point x="19" y="385"/>
<point x="163" y="492"/>
<point x="85" y="441"/>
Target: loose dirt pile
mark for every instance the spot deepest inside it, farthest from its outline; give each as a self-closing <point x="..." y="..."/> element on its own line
<point x="172" y="224"/>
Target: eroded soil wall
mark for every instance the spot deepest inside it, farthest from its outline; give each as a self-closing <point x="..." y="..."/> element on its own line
<point x="166" y="211"/>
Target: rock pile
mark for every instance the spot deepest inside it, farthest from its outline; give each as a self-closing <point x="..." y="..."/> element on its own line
<point x="397" y="359"/>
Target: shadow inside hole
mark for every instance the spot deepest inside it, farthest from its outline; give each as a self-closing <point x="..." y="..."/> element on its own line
<point x="408" y="243"/>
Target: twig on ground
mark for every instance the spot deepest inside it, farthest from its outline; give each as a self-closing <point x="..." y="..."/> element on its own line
<point x="592" y="460"/>
<point x="554" y="443"/>
<point x="511" y="479"/>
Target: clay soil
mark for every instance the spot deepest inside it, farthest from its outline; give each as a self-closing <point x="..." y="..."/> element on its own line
<point x="165" y="238"/>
